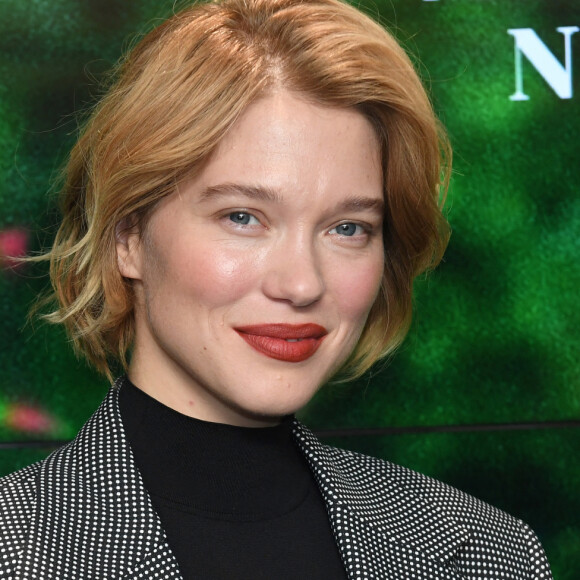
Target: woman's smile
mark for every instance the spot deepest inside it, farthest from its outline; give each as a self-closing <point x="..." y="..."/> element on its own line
<point x="286" y="342"/>
<point x="283" y="224"/>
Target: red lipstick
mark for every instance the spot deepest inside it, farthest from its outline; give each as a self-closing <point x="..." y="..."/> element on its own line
<point x="286" y="342"/>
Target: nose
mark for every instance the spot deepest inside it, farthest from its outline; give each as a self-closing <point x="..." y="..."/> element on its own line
<point x="294" y="274"/>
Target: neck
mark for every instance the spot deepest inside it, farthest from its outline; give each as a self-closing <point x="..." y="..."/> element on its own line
<point x="213" y="468"/>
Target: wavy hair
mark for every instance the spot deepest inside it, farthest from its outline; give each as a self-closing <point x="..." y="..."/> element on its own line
<point x="175" y="96"/>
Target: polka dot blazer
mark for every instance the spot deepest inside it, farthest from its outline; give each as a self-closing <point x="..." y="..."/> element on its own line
<point x="83" y="513"/>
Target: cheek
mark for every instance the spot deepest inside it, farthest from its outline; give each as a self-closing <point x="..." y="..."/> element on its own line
<point x="357" y="289"/>
<point x="211" y="274"/>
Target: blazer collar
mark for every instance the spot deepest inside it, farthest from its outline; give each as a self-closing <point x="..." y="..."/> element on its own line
<point x="93" y="516"/>
<point x="382" y="529"/>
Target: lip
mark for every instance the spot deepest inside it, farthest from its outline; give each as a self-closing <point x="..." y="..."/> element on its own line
<point x="285" y="342"/>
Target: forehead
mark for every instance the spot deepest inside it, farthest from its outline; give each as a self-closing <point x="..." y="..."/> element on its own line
<point x="286" y="143"/>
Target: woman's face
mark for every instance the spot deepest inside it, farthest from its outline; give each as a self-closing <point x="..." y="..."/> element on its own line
<point x="253" y="281"/>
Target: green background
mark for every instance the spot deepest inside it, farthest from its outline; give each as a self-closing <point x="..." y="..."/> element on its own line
<point x="494" y="339"/>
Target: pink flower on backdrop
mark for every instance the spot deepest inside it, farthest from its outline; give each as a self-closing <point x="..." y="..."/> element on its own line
<point x="13" y="244"/>
<point x="29" y="419"/>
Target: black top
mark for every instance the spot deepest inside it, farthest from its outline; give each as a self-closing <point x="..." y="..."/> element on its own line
<point x="235" y="502"/>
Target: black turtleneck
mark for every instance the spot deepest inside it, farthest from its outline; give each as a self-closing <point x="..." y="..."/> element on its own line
<point x="235" y="502"/>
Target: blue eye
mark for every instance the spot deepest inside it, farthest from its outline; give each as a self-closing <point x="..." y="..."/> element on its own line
<point x="348" y="229"/>
<point x="243" y="218"/>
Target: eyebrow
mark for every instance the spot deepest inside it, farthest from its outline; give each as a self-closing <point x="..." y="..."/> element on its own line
<point x="261" y="193"/>
<point x="361" y="203"/>
<point x="250" y="191"/>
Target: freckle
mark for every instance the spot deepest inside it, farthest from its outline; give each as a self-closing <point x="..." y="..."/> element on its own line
<point x="205" y="348"/>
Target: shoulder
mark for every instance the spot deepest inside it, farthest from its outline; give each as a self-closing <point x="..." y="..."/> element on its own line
<point x="491" y="531"/>
<point x="375" y="474"/>
<point x="18" y="492"/>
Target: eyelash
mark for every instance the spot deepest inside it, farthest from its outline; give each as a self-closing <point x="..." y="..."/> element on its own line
<point x="364" y="230"/>
<point x="241" y="213"/>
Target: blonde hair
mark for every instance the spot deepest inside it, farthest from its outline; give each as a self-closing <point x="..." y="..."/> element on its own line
<point x="175" y="96"/>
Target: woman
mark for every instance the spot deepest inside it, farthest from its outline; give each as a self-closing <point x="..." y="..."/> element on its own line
<point x="244" y="215"/>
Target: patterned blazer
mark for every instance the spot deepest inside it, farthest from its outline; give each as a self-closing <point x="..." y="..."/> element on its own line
<point x="83" y="513"/>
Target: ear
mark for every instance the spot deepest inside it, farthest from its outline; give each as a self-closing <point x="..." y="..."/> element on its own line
<point x="129" y="248"/>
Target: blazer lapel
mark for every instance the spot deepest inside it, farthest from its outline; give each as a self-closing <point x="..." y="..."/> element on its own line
<point x="94" y="518"/>
<point x="383" y="531"/>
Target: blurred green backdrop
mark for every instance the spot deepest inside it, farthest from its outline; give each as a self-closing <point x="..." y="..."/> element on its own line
<point x="495" y="336"/>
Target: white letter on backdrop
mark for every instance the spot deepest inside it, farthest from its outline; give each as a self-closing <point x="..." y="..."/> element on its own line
<point x="557" y="76"/>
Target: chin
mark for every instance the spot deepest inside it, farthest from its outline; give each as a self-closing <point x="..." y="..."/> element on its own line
<point x="272" y="409"/>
